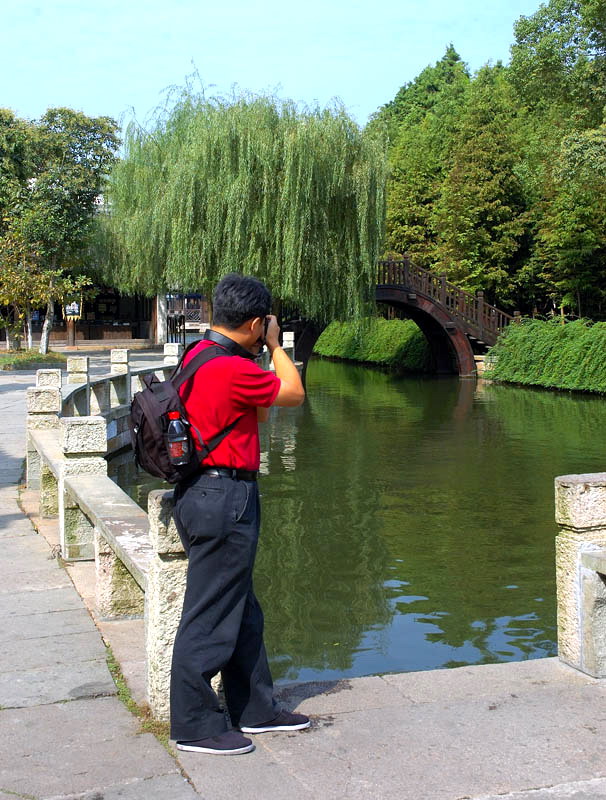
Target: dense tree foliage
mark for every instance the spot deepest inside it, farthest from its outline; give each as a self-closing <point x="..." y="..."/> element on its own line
<point x="51" y="175"/>
<point x="421" y="123"/>
<point x="255" y="185"/>
<point x="498" y="179"/>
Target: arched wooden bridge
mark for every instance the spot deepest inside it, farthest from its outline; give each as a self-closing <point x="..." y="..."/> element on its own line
<point x="455" y="322"/>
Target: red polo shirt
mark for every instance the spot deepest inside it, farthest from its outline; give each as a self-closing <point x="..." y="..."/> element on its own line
<point x="219" y="392"/>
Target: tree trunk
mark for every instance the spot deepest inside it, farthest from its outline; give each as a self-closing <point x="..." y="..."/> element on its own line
<point x="47" y="327"/>
<point x="28" y="329"/>
<point x="70" y="327"/>
<point x="161" y="319"/>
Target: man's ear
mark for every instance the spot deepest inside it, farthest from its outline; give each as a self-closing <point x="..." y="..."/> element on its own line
<point x="254" y="321"/>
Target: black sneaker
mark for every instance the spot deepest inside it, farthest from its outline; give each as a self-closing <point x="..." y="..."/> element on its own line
<point x="230" y="743"/>
<point x="285" y="721"/>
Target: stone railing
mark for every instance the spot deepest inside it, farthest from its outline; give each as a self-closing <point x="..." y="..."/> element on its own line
<point x="581" y="571"/>
<point x="139" y="560"/>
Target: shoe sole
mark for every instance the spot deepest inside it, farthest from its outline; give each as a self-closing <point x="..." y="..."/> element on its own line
<point x="271" y="728"/>
<point x="236" y="752"/>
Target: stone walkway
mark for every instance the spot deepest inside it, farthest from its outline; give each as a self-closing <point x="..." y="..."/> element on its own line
<point x="63" y="731"/>
<point x="528" y="731"/>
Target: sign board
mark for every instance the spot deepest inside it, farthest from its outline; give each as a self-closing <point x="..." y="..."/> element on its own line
<point x="73" y="310"/>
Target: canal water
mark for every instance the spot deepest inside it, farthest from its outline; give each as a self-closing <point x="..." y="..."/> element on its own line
<point x="408" y="522"/>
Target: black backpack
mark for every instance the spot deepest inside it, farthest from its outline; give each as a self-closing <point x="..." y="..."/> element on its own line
<point x="149" y="420"/>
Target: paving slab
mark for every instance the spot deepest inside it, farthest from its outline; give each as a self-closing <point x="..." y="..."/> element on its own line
<point x="29" y="552"/>
<point x="71" y="748"/>
<point x="489" y="679"/>
<point x="48" y="651"/>
<point x="34" y="580"/>
<point x="166" y="787"/>
<point x="453" y="747"/>
<point x="14" y="531"/>
<point x="84" y="577"/>
<point x="55" y="684"/>
<point x="127" y="641"/>
<point x="10" y="512"/>
<point x="335" y="697"/>
<point x="39" y="626"/>
<point x="252" y="776"/>
<point x="582" y="790"/>
<point x="18" y="604"/>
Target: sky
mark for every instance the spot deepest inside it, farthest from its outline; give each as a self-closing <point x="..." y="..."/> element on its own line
<point x="117" y="58"/>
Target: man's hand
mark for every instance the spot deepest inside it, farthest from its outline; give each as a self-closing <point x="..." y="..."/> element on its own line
<point x="272" y="337"/>
<point x="291" y="391"/>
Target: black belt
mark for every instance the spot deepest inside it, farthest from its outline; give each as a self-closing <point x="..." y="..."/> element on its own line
<point x="227" y="472"/>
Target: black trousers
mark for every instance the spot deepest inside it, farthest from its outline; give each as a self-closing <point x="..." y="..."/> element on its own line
<point x="221" y="626"/>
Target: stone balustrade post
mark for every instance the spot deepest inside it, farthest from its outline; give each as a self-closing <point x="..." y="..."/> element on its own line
<point x="581" y="591"/>
<point x="172" y="353"/>
<point x="49" y="377"/>
<point x="99" y="402"/>
<point x="117" y="593"/>
<point x="43" y="410"/>
<point x="265" y="360"/>
<point x="163" y="599"/>
<point x="136" y="383"/>
<point x="84" y="444"/>
<point x="164" y="602"/>
<point x="288" y="343"/>
<point x="78" y="373"/>
<point x="120" y="390"/>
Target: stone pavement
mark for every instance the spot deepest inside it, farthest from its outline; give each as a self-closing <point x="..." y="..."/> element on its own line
<point x="528" y="731"/>
<point x="63" y="731"/>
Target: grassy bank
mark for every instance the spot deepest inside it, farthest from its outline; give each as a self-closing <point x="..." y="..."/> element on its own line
<point x="30" y="359"/>
<point x="552" y="355"/>
<point x="393" y="344"/>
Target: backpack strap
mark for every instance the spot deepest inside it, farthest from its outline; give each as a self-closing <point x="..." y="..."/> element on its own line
<point x="216" y="440"/>
<point x="185" y="374"/>
<point x="179" y="378"/>
<point x="179" y="363"/>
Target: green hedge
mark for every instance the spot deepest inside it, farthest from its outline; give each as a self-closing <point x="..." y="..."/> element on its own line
<point x="31" y="359"/>
<point x="549" y="354"/>
<point x="396" y="344"/>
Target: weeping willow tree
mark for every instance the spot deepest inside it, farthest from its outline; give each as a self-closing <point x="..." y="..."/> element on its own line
<point x="253" y="185"/>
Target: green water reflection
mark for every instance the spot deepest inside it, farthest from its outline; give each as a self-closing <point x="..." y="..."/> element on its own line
<point x="408" y="523"/>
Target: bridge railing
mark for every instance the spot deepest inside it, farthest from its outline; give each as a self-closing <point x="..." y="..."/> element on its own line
<point x="480" y="318"/>
<point x="140" y="565"/>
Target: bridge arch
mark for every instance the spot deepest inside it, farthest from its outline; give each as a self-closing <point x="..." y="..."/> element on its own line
<point x="450" y="347"/>
<point x="451" y="350"/>
<point x="448" y="316"/>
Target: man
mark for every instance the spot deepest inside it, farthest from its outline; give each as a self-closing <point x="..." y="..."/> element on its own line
<point x="217" y="514"/>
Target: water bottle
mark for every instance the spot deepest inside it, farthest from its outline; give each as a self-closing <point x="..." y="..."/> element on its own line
<point x="177" y="440"/>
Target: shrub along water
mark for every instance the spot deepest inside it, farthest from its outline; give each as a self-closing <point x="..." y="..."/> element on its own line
<point x="395" y="344"/>
<point x="549" y="354"/>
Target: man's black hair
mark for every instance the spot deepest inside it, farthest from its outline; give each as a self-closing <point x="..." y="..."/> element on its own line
<point x="238" y="298"/>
